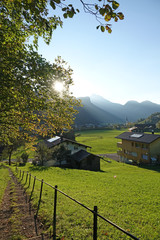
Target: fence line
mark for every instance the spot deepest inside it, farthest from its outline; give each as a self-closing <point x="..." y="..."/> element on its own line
<point x="94" y="211"/>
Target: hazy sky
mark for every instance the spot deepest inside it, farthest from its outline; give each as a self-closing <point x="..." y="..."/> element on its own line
<point x="121" y="66"/>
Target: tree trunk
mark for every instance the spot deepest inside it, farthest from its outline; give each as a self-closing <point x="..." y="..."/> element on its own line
<point x="10" y="154"/>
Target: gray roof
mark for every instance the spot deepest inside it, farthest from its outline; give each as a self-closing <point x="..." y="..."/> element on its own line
<point x="138" y="137"/>
<point x="82" y="154"/>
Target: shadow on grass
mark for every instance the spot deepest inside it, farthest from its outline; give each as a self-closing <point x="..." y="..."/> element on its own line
<point x="2" y="166"/>
<point x="38" y="168"/>
<point x="150" y="167"/>
<point x="43" y="168"/>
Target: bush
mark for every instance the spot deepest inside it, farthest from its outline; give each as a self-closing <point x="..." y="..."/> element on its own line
<point x="24" y="157"/>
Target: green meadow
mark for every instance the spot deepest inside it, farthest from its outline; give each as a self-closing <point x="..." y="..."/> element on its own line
<point x="126" y="195"/>
<point x="101" y="141"/>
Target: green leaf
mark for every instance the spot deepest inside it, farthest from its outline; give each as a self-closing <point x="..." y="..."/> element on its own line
<point x="102" y="28"/>
<point x="98" y="26"/>
<point x="102" y="11"/>
<point x="107" y="27"/>
<point x="65" y="15"/>
<point x="120" y="15"/>
<point x="57" y="1"/>
<point x="107" y="17"/>
<point x="70" y="14"/>
<point x="115" y="5"/>
<point x="96" y="7"/>
<point x="116" y="19"/>
<point x="52" y="4"/>
<point x="109" y="30"/>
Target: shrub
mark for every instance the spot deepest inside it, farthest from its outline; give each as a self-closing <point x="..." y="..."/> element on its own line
<point x="24" y="157"/>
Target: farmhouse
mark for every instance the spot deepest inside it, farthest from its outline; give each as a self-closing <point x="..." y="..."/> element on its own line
<point x="139" y="147"/>
<point x="79" y="157"/>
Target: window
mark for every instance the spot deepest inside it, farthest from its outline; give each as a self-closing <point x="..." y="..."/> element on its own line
<point x="132" y="144"/>
<point x="145" y="157"/>
<point x="134" y="154"/>
<point x="137" y="145"/>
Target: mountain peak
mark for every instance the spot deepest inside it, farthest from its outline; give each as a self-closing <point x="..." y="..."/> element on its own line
<point x="95" y="97"/>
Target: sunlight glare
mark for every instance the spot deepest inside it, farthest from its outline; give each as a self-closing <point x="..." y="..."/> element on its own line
<point x="58" y="86"/>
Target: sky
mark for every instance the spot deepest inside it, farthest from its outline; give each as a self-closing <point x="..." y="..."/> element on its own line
<point x="121" y="66"/>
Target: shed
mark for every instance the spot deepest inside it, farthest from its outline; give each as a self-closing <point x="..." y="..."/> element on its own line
<point x="85" y="160"/>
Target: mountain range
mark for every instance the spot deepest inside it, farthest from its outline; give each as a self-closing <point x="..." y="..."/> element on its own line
<point x="98" y="110"/>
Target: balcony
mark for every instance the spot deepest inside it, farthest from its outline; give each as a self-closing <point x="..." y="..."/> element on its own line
<point x="119" y="144"/>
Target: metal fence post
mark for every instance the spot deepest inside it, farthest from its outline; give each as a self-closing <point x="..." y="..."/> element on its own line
<point x="95" y="223"/>
<point x="31" y="195"/>
<point x="39" y="202"/>
<point x="40" y="196"/>
<point x="54" y="213"/>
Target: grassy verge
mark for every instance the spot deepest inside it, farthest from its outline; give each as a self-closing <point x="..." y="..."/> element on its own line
<point x="14" y="219"/>
<point x="4" y="178"/>
<point x="125" y="194"/>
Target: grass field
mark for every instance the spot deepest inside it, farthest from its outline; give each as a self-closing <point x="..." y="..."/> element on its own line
<point x="101" y="141"/>
<point x="4" y="177"/>
<point x="125" y="194"/>
<point x="131" y="200"/>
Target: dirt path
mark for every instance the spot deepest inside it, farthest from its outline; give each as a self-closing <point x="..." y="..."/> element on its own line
<point x="16" y="221"/>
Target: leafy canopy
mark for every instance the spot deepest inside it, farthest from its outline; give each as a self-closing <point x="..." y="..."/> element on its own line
<point x="29" y="105"/>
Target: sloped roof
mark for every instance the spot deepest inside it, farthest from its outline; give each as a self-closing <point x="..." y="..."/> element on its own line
<point x="82" y="154"/>
<point x="57" y="140"/>
<point x="138" y="137"/>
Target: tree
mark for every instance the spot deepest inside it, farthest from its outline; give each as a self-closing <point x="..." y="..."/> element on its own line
<point x="29" y="105"/>
<point x="43" y="153"/>
<point x="11" y="147"/>
<point x="60" y="154"/>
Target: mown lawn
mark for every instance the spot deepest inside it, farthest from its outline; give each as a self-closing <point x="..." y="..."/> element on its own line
<point x="127" y="195"/>
<point x="4" y="177"/>
<point x="101" y="141"/>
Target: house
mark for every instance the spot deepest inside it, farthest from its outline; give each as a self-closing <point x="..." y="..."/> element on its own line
<point x="79" y="157"/>
<point x="139" y="147"/>
<point x="146" y="127"/>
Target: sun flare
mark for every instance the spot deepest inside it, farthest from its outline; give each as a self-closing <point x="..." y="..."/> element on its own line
<point x="58" y="86"/>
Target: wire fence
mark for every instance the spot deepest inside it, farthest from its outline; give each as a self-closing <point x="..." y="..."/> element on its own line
<point x="27" y="185"/>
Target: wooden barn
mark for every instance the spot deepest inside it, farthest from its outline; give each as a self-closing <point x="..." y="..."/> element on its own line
<point x="85" y="160"/>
